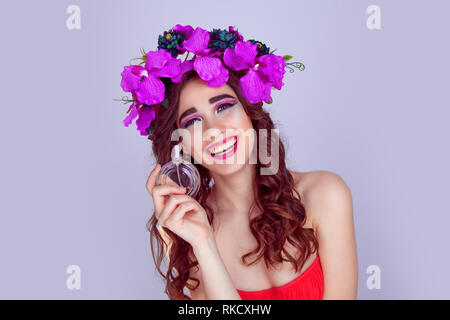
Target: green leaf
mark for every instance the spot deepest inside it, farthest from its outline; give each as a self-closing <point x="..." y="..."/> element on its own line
<point x="270" y="100"/>
<point x="165" y="103"/>
<point x="287" y="57"/>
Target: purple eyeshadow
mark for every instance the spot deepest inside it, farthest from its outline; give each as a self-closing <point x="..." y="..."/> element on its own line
<point x="186" y="120"/>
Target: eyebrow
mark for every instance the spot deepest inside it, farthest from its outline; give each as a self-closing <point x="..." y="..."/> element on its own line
<point x="211" y="101"/>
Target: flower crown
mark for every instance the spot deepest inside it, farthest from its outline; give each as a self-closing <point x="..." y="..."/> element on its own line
<point x="264" y="70"/>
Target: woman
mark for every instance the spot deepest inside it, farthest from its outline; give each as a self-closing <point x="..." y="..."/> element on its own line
<point x="286" y="235"/>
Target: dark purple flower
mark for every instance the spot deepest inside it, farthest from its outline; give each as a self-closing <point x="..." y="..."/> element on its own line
<point x="186" y="31"/>
<point x="221" y="39"/>
<point x="236" y="32"/>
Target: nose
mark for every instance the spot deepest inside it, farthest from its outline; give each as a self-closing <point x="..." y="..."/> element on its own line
<point x="214" y="130"/>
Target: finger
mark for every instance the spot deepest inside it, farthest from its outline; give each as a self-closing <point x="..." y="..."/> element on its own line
<point x="159" y="194"/>
<point x="180" y="212"/>
<point x="172" y="203"/>
<point x="152" y="178"/>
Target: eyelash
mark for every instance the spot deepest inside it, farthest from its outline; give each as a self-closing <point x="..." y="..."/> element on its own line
<point x="228" y="104"/>
<point x="219" y="109"/>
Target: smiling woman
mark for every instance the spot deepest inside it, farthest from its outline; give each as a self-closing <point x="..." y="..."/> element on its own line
<point x="262" y="214"/>
<point x="221" y="121"/>
<point x="248" y="232"/>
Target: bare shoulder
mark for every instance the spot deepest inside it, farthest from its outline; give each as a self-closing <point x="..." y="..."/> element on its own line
<point x="322" y="191"/>
<point x="328" y="200"/>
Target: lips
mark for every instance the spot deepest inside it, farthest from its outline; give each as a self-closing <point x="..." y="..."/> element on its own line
<point x="222" y="147"/>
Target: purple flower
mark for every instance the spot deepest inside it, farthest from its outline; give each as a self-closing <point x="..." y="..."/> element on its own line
<point x="131" y="77"/>
<point x="132" y="113"/>
<point x="185" y="66"/>
<point x="263" y="72"/>
<point x="146" y="116"/>
<point x="211" y="70"/>
<point x="184" y="30"/>
<point x="273" y="67"/>
<point x="145" y="82"/>
<point x="209" y="67"/>
<point x="145" y="113"/>
<point x="197" y="42"/>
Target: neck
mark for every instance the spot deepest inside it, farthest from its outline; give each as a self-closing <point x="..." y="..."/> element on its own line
<point x="233" y="193"/>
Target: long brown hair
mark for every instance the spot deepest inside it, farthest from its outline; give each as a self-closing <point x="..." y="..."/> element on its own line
<point x="282" y="213"/>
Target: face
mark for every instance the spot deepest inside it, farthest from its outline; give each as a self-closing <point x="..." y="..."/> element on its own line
<point x="217" y="132"/>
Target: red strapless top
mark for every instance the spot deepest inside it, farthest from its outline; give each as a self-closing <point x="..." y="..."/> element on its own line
<point x="307" y="286"/>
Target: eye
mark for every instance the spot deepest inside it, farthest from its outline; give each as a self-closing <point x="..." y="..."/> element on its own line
<point x="189" y="122"/>
<point x="225" y="106"/>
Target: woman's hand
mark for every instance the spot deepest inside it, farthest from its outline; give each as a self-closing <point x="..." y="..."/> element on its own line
<point x="179" y="212"/>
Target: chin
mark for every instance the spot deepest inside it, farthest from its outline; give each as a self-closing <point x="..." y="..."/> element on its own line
<point x="225" y="169"/>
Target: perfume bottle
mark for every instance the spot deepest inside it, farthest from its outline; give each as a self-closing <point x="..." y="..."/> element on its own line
<point x="180" y="172"/>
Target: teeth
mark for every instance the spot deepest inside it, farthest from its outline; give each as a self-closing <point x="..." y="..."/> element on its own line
<point x="224" y="146"/>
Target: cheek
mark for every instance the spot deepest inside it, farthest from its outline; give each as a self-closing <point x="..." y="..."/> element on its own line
<point x="192" y="142"/>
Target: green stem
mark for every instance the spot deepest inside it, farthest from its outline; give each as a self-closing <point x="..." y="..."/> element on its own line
<point x="124" y="100"/>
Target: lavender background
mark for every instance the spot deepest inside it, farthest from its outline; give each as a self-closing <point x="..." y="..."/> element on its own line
<point x="372" y="106"/>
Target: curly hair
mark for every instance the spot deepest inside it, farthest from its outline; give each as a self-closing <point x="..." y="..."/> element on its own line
<point x="282" y="213"/>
